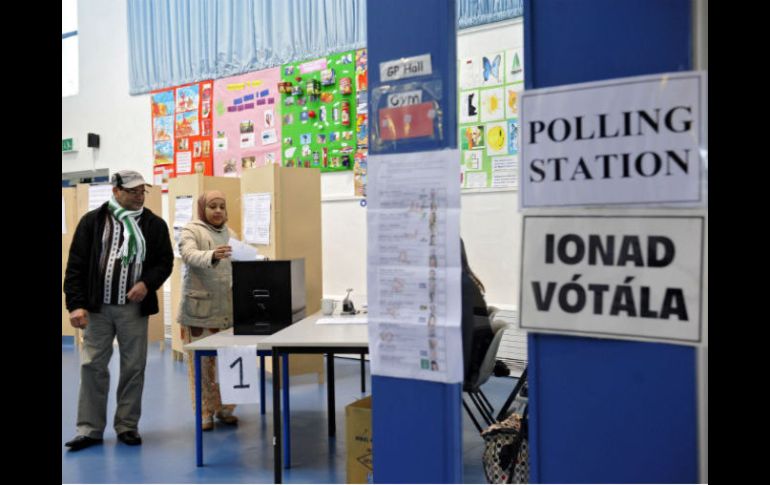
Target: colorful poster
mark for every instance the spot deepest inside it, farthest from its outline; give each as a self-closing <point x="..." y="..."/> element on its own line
<point x="359" y="173"/>
<point x="319" y="112"/>
<point x="182" y="136"/>
<point x="246" y="122"/>
<point x="488" y="121"/>
<point x="162" y="103"/>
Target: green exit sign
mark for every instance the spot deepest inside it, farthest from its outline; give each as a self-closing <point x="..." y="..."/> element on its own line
<point x="68" y="145"/>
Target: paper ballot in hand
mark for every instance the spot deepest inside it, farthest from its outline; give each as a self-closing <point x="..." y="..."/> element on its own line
<point x="243" y="251"/>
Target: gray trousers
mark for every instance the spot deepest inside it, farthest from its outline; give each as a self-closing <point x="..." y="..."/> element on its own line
<point x="124" y="322"/>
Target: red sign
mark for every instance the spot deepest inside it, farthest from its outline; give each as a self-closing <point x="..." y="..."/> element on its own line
<point x="413" y="121"/>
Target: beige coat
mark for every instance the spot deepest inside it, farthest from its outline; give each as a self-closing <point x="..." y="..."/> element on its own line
<point x="207" y="297"/>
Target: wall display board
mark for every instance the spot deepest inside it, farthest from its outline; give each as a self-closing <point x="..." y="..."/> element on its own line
<point x="247" y="130"/>
<point x="318" y="106"/>
<point x="181" y="131"/>
<point x="489" y="87"/>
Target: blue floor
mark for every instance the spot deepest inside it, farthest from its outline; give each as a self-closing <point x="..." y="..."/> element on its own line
<point x="239" y="454"/>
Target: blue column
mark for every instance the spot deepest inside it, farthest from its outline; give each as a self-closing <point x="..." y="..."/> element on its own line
<point x="609" y="411"/>
<point x="416" y="425"/>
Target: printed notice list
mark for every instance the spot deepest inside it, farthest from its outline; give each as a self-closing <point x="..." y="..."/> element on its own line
<point x="414" y="266"/>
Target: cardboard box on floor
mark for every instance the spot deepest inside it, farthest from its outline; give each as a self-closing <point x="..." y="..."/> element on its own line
<point x="358" y="441"/>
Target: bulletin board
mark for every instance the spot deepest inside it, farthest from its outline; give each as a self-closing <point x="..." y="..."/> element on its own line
<point x="318" y="106"/>
<point x="181" y="131"/>
<point x="247" y="128"/>
<point x="488" y="121"/>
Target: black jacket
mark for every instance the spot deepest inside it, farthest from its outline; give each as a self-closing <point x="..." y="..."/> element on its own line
<point x="84" y="286"/>
<point x="477" y="332"/>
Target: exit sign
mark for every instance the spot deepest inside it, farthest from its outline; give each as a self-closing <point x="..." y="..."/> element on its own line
<point x="67" y="145"/>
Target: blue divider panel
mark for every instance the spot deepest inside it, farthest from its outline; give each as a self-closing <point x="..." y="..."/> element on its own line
<point x="416" y="425"/>
<point x="609" y="411"/>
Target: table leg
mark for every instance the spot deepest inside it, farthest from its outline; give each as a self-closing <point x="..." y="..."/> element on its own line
<point x="286" y="414"/>
<point x="198" y="410"/>
<point x="363" y="374"/>
<point x="277" y="469"/>
<point x="330" y="394"/>
<point x="262" y="385"/>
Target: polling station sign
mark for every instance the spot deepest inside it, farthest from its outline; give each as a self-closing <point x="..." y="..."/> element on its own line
<point x="613" y="276"/>
<point x="638" y="140"/>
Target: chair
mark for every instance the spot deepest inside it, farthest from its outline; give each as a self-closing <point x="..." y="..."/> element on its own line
<point x="473" y="389"/>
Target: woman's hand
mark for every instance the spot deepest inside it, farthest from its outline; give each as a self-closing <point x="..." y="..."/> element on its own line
<point x="222" y="252"/>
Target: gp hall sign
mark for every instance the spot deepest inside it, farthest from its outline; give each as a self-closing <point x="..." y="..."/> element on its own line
<point x="637" y="140"/>
<point x="627" y="276"/>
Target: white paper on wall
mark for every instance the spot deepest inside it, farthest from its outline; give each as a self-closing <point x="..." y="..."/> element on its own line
<point x="256" y="218"/>
<point x="183" y="210"/>
<point x="98" y="195"/>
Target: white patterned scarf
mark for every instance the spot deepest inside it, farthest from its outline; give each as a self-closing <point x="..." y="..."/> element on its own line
<point x="133" y="247"/>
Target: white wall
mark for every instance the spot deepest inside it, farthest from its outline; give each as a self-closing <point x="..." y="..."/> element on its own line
<point x="102" y="105"/>
<point x="489" y="221"/>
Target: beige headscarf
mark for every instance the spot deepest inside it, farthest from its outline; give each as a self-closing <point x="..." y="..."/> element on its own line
<point x="204" y="199"/>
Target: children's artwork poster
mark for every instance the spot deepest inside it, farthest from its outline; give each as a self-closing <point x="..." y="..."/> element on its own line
<point x="489" y="87"/>
<point x="162" y="114"/>
<point x="192" y="141"/>
<point x="359" y="173"/>
<point x="362" y="125"/>
<point x="319" y="106"/>
<point x="247" y="127"/>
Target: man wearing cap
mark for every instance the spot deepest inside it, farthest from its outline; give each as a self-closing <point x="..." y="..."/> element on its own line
<point x="120" y="255"/>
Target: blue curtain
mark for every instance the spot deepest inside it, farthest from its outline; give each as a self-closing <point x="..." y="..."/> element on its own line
<point x="173" y="42"/>
<point x="471" y="13"/>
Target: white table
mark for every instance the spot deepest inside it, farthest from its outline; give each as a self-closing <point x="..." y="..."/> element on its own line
<point x="306" y="337"/>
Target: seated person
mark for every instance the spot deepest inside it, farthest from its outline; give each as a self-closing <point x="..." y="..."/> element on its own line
<point x="476" y="329"/>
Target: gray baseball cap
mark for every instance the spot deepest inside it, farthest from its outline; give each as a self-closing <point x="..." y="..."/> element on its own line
<point x="128" y="179"/>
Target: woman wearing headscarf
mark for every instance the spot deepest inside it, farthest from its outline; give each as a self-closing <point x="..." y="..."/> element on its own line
<point x="207" y="306"/>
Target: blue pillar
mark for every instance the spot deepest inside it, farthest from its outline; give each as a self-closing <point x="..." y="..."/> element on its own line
<point x="416" y="425"/>
<point x="602" y="410"/>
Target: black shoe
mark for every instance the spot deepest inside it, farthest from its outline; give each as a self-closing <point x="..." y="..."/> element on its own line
<point x="131" y="438"/>
<point x="79" y="442"/>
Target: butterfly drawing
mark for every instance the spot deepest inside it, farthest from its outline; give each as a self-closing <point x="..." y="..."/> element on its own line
<point x="492" y="70"/>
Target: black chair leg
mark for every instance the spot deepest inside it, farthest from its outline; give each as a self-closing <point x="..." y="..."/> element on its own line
<point x="514" y="393"/>
<point x="470" y="415"/>
<point x="486" y="401"/>
<point x="480" y="407"/>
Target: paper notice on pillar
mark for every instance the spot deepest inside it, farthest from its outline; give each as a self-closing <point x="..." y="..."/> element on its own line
<point x="237" y="372"/>
<point x="63" y="218"/>
<point x="413" y="275"/>
<point x="638" y="140"/>
<point x="98" y="195"/>
<point x="635" y="276"/>
<point x="256" y="218"/>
